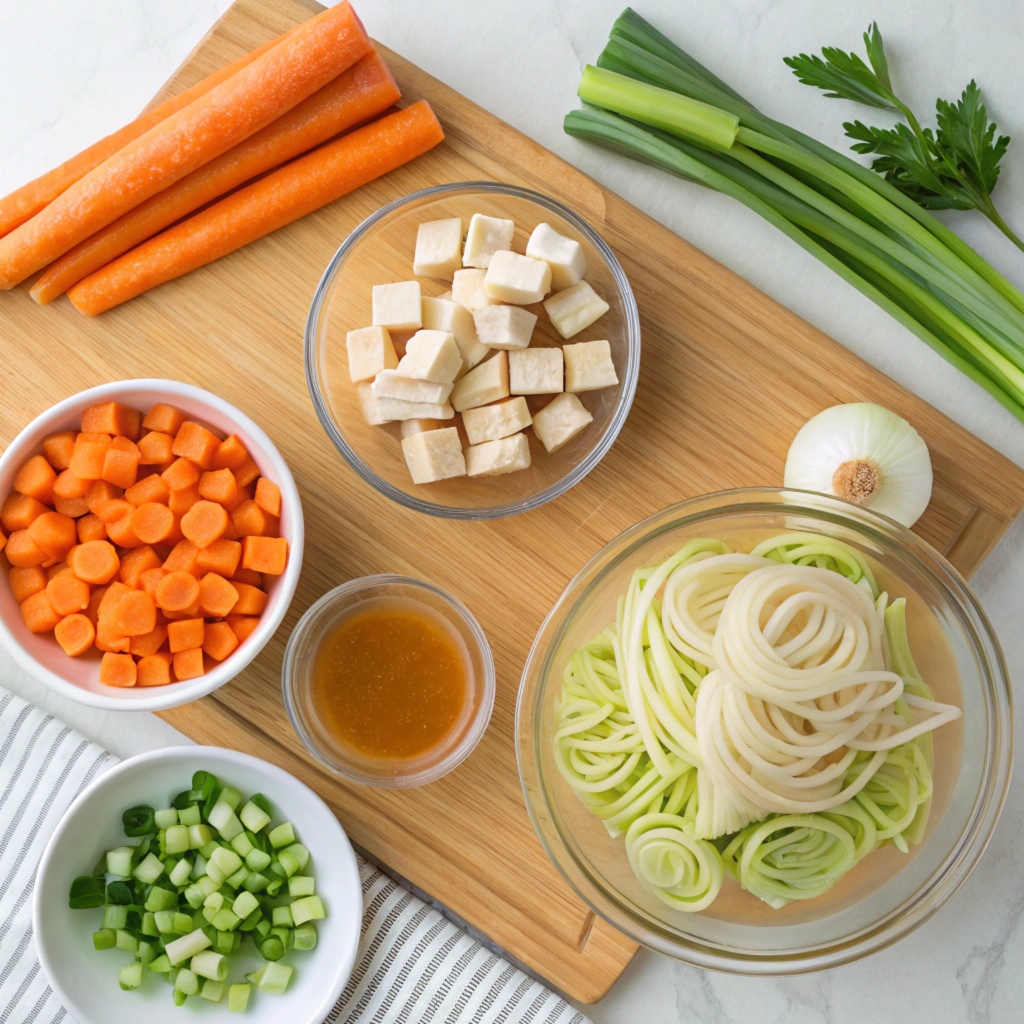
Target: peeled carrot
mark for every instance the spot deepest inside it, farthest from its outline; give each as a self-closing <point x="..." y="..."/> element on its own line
<point x="189" y="664"/>
<point x="265" y="554"/>
<point x="99" y="494"/>
<point x="221" y="557"/>
<point x="194" y="442"/>
<point x="182" y="558"/>
<point x="219" y="485"/>
<point x="112" y="418"/>
<point x="149" y="488"/>
<point x="251" y="600"/>
<point x="137" y="561"/>
<point x="246" y="473"/>
<point x="253" y="521"/>
<point x="68" y="594"/>
<point x="231" y="454"/>
<point x="58" y="448"/>
<point x="75" y="633"/>
<point x="285" y="195"/>
<point x="216" y="595"/>
<point x="54" y="534"/>
<point x="155" y="448"/>
<point x="242" y="625"/>
<point x="90" y="527"/>
<point x="283" y="77"/>
<point x="22" y="551"/>
<point x="118" y="670"/>
<point x="177" y="591"/>
<point x="155" y="669"/>
<point x="28" y="200"/>
<point x="95" y="561"/>
<point x="185" y="635"/>
<point x="180" y="474"/>
<point x="134" y="614"/>
<point x="18" y="512"/>
<point x="121" y="464"/>
<point x="148" y="643"/>
<point x="219" y="640"/>
<point x="150" y="579"/>
<point x="165" y="418"/>
<point x="152" y="522"/>
<point x="268" y="496"/>
<point x="361" y="92"/>
<point x="26" y="581"/>
<point x="204" y="523"/>
<point x="38" y="613"/>
<point x="35" y="479"/>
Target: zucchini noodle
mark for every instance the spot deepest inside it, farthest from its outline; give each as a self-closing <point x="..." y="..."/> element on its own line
<point x="767" y="700"/>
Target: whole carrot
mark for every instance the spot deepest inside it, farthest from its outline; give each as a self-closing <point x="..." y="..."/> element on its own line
<point x="366" y="89"/>
<point x="28" y="200"/>
<point x="292" y="191"/>
<point x="284" y="76"/>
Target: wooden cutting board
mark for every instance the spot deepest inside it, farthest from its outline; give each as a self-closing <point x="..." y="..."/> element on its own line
<point x="728" y="377"/>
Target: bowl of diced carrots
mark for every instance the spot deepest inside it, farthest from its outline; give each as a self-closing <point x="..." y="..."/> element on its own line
<point x="151" y="536"/>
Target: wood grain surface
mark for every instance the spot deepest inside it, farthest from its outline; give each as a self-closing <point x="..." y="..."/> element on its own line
<point x="728" y="377"/>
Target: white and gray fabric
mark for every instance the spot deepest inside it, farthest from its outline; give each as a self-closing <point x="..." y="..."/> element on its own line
<point x="414" y="966"/>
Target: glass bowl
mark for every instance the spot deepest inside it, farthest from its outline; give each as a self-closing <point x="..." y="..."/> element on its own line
<point x="885" y="896"/>
<point x="297" y="678"/>
<point x="379" y="251"/>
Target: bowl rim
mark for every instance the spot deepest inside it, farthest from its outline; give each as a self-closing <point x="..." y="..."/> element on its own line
<point x="340" y="846"/>
<point x="948" y="876"/>
<point x="628" y="384"/>
<point x="182" y="691"/>
<point x="478" y="724"/>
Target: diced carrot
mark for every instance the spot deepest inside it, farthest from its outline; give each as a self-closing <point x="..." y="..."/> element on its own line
<point x="182" y="501"/>
<point x="183" y="558"/>
<point x="152" y="522"/>
<point x="95" y="561"/>
<point x="219" y="485"/>
<point x="95" y="600"/>
<point x="221" y="557"/>
<point x="268" y="496"/>
<point x="242" y="625"/>
<point x="68" y="594"/>
<point x="155" y="448"/>
<point x="112" y="418"/>
<point x="38" y="613"/>
<point x="135" y="614"/>
<point x="247" y="472"/>
<point x="26" y="581"/>
<point x="148" y="643"/>
<point x="182" y="474"/>
<point x="113" y="510"/>
<point x="75" y="634"/>
<point x="54" y="534"/>
<point x="57" y="568"/>
<point x="88" y="455"/>
<point x="230" y="533"/>
<point x="240" y="575"/>
<point x="67" y="485"/>
<point x="150" y="579"/>
<point x="121" y="533"/>
<point x="164" y="418"/>
<point x="216" y="596"/>
<point x="90" y="527"/>
<point x="252" y="521"/>
<point x="136" y="562"/>
<point x="189" y="664"/>
<point x="231" y="454"/>
<point x="204" y="523"/>
<point x="3" y="540"/>
<point x="100" y="493"/>
<point x="265" y="554"/>
<point x="177" y="591"/>
<point x="155" y="669"/>
<point x="125" y="444"/>
<point x="193" y="611"/>
<point x="109" y="640"/>
<point x="118" y="670"/>
<point x="219" y="640"/>
<point x="113" y="594"/>
<point x="35" y="479"/>
<point x="120" y="467"/>
<point x="19" y="511"/>
<point x="57" y="449"/>
<point x="73" y="508"/>
<point x="149" y="488"/>
<point x="91" y="437"/>
<point x="251" y="600"/>
<point x="185" y="634"/>
<point x="193" y="441"/>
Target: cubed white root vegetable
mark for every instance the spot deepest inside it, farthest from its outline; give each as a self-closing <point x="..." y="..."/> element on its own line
<point x="392" y="384"/>
<point x="589" y="366"/>
<point x="484" y="384"/>
<point x="486" y="235"/>
<point x="431" y="355"/>
<point x="447" y="315"/>
<point x="399" y="409"/>
<point x="504" y="326"/>
<point x="434" y="455"/>
<point x="575" y="308"/>
<point x="410" y="427"/>
<point x="491" y="422"/>
<point x="518" y="279"/>
<point x="563" y="255"/>
<point x="495" y="458"/>
<point x="560" y="421"/>
<point x="438" y="248"/>
<point x="370" y="405"/>
<point x="535" y="371"/>
<point x="370" y="350"/>
<point x="468" y="289"/>
<point x="397" y="306"/>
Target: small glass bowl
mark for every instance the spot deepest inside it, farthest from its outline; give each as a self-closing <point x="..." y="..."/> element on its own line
<point x="297" y="676"/>
<point x="380" y="251"/>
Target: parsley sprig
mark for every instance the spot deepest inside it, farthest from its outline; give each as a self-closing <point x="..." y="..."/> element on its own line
<point x="955" y="167"/>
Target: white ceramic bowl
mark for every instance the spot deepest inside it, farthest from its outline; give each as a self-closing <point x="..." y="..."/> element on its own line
<point x="86" y="980"/>
<point x="78" y="678"/>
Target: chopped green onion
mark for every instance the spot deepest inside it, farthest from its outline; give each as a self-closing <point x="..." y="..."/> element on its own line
<point x="282" y="917"/>
<point x="161" y="965"/>
<point x="187" y="982"/>
<point x="181" y="872"/>
<point x="139" y="821"/>
<point x="304" y="937"/>
<point x="301" y="885"/>
<point x="213" y="991"/>
<point x="119" y="861"/>
<point x="245" y="903"/>
<point x="166" y="818"/>
<point x="105" y="938"/>
<point x="253" y="816"/>
<point x="114" y="916"/>
<point x="209" y="964"/>
<point x="199" y="836"/>
<point x="161" y="899"/>
<point x="149" y="869"/>
<point x="130" y="977"/>
<point x="309" y="908"/>
<point x="272" y="948"/>
<point x="283" y="835"/>
<point x="225" y="921"/>
<point x="238" y="998"/>
<point x="187" y="946"/>
<point x="125" y="940"/>
<point x="257" y="860"/>
<point x="275" y="978"/>
<point x="242" y="845"/>
<point x="188" y="816"/>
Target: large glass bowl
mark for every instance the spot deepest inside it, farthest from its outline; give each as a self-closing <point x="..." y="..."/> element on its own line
<point x="885" y="896"/>
<point x="380" y="251"/>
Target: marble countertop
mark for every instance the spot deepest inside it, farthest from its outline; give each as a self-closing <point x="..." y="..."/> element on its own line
<point x="74" y="72"/>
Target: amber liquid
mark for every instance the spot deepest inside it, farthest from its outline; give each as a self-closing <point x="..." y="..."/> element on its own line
<point x="391" y="680"/>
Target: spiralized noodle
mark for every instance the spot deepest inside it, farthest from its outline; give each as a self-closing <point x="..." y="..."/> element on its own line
<point x="684" y="872"/>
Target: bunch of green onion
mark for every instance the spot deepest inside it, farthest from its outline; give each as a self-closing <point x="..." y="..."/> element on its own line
<point x="649" y="99"/>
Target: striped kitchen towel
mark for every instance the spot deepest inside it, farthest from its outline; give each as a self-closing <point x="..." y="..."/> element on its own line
<point x="414" y="966"/>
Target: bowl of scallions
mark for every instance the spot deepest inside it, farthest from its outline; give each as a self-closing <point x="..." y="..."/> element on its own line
<point x="201" y="878"/>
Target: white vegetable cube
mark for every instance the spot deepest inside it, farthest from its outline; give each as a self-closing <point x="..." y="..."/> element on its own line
<point x="560" y="421"/>
<point x="434" y="455"/>
<point x="446" y="315"/>
<point x="519" y="279"/>
<point x="491" y="422"/>
<point x="485" y="237"/>
<point x="431" y="355"/>
<point x="468" y="289"/>
<point x="575" y="308"/>
<point x="400" y="409"/>
<point x="370" y="350"/>
<point x="410" y="427"/>
<point x="397" y="306"/>
<point x="535" y="371"/>
<point x="589" y="366"/>
<point x="394" y="384"/>
<point x="563" y="255"/>
<point x="484" y="384"/>
<point x="504" y="326"/>
<point x="369" y="405"/>
<point x="438" y="248"/>
<point x="495" y="458"/>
